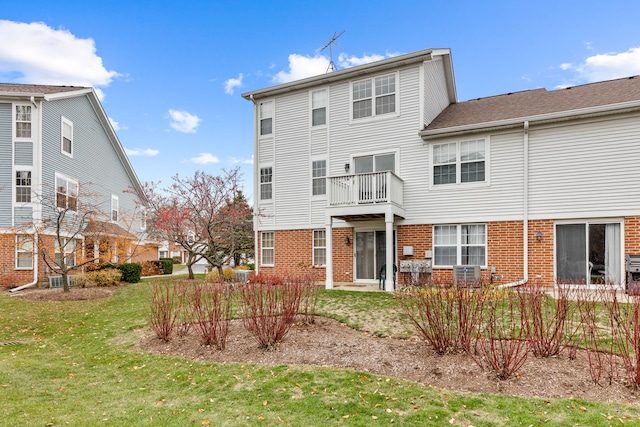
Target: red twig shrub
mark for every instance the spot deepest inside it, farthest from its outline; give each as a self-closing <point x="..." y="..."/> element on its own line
<point x="446" y="317"/>
<point x="164" y="310"/>
<point x="503" y="348"/>
<point x="184" y="293"/>
<point x="211" y="313"/>
<point x="624" y="321"/>
<point x="549" y="321"/>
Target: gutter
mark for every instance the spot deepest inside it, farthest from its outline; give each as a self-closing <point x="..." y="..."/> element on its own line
<point x="525" y="211"/>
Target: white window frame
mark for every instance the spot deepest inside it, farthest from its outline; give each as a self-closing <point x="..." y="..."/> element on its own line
<point x="376" y="94"/>
<point x="318" y="174"/>
<point x="142" y="217"/>
<point x="115" y="208"/>
<point x="17" y="185"/>
<point x="265" y="184"/>
<point x="458" y="163"/>
<point x="69" y="123"/>
<point x="318" y="101"/>
<point x="21" y="250"/>
<point x="267" y="251"/>
<point x="319" y="247"/>
<point x="67" y="181"/>
<point x="265" y="113"/>
<point x="459" y="244"/>
<point x="16" y="114"/>
<point x="68" y="250"/>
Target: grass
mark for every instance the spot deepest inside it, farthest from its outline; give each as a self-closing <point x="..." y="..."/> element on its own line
<point x="76" y="363"/>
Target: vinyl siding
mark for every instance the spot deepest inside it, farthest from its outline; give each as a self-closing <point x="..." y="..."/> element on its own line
<point x="435" y="90"/>
<point x="23" y="153"/>
<point x="5" y="166"/>
<point x="95" y="163"/>
<point x="23" y="216"/>
<point x="588" y="169"/>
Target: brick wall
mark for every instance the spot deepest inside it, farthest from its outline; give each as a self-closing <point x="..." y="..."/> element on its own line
<point x="505" y="251"/>
<point x="541" y="256"/>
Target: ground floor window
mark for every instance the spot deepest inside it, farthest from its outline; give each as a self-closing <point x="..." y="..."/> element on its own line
<point x="66" y="253"/>
<point x="460" y="244"/>
<point x="267" y="248"/>
<point x="24" y="251"/>
<point x="588" y="253"/>
<point x="319" y="247"/>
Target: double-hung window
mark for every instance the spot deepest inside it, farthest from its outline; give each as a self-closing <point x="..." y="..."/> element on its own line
<point x="23" y="186"/>
<point x="267" y="248"/>
<point x="319" y="247"/>
<point x="266" y="183"/>
<point x="319" y="180"/>
<point x="67" y="137"/>
<point x="65" y="254"/>
<point x="460" y="244"/>
<point x="23" y="121"/>
<point x="266" y="118"/>
<point x="459" y="162"/>
<point x="24" y="251"/>
<point x="373" y="97"/>
<point x="319" y="107"/>
<point x="115" y="204"/>
<point x="66" y="193"/>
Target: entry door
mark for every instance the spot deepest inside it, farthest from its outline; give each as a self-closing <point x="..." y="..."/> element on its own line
<point x="371" y="253"/>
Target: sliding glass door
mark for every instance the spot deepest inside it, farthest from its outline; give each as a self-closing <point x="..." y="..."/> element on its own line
<point x="589" y="253"/>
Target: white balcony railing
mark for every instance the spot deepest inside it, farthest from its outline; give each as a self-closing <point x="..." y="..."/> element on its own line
<point x="366" y="188"/>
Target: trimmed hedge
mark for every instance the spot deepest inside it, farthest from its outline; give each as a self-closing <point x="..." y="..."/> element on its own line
<point x="131" y="272"/>
<point x="167" y="265"/>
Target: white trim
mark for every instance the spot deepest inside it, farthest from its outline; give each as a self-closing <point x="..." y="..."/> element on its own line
<point x="458" y="244"/>
<point x="312" y="178"/>
<point x="374" y="116"/>
<point x="115" y="199"/>
<point x="68" y="180"/>
<point x="272" y="117"/>
<point x="326" y="107"/>
<point x="17" y="251"/>
<point x="259" y="195"/>
<point x="459" y="183"/>
<point x="32" y="108"/>
<point x="314" y="247"/>
<point x="262" y="248"/>
<point x="14" y="186"/>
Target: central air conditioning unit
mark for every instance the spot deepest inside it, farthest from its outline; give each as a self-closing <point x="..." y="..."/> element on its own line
<point x="466" y="273"/>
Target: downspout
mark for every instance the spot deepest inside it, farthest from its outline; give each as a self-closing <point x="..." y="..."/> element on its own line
<point x="525" y="213"/>
<point x="256" y="262"/>
<point x="35" y="268"/>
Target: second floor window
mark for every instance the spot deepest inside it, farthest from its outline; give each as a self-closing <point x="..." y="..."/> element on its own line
<point x="23" y="121"/>
<point x="319" y="107"/>
<point x="266" y="182"/>
<point x="67" y="137"/>
<point x="23" y="186"/>
<point x="114" y="208"/>
<point x="266" y="118"/>
<point x="374" y="97"/>
<point x="459" y="162"/>
<point x="319" y="180"/>
<point x="66" y="193"/>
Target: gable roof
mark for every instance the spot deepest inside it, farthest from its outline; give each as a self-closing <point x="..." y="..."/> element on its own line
<point x="50" y="92"/>
<point x="361" y="71"/>
<point x="536" y="105"/>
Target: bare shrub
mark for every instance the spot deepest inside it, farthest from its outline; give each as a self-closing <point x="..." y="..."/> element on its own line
<point x="446" y="317"/>
<point x="211" y="313"/>
<point x="269" y="309"/>
<point x="164" y="310"/>
<point x="624" y="321"/>
<point x="503" y="348"/>
<point x="184" y="292"/>
<point x="549" y="321"/>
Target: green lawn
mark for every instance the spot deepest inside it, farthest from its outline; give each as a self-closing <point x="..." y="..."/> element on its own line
<point x="76" y="363"/>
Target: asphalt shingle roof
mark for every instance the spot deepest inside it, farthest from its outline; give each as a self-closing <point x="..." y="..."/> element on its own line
<point x="44" y="89"/>
<point x="537" y="102"/>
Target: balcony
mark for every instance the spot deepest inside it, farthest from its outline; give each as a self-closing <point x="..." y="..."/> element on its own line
<point x="365" y="195"/>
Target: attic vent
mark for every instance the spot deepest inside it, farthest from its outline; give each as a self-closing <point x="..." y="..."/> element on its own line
<point x="463" y="274"/>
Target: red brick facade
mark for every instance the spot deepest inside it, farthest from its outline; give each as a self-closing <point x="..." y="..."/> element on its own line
<point x="293" y="249"/>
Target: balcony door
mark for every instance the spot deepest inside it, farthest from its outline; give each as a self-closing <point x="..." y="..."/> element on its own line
<point x="371" y="187"/>
<point x="371" y="253"/>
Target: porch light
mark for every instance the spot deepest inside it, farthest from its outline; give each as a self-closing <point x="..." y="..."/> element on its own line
<point x="347" y="240"/>
<point x="346" y="167"/>
<point x="539" y="235"/>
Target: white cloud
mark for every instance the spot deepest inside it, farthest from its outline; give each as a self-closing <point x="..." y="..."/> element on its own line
<point x="566" y="66"/>
<point x="235" y="161"/>
<point x="183" y="121"/>
<point x="205" y="158"/>
<point x="607" y="66"/>
<point x="115" y="125"/>
<point x="301" y="67"/>
<point x="231" y="84"/>
<point x="39" y="54"/>
<point x="141" y="152"/>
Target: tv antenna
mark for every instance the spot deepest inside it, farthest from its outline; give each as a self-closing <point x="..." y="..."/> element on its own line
<point x="330" y="43"/>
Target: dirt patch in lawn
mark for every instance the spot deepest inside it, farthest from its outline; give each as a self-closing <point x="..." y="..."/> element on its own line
<point x="330" y="343"/>
<point x="90" y="291"/>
